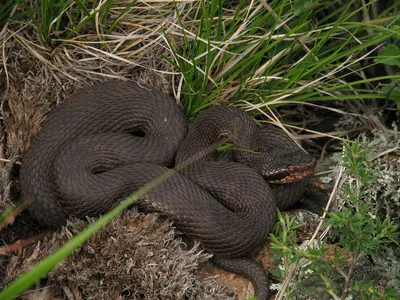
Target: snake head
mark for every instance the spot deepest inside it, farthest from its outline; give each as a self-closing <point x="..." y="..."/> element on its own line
<point x="280" y="166"/>
<point x="289" y="168"/>
<point x="277" y="157"/>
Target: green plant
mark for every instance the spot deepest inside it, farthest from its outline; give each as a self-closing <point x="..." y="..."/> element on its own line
<point x="357" y="231"/>
<point x="67" y="19"/>
<point x="262" y="59"/>
<point x="390" y="56"/>
<point x="5" y="12"/>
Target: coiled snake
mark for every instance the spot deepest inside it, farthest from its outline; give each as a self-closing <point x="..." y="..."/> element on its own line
<point x="110" y="139"/>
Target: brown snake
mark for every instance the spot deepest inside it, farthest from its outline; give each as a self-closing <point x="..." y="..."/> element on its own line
<point x="110" y="139"/>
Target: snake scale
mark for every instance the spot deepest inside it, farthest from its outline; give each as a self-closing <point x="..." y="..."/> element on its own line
<point x="110" y="139"/>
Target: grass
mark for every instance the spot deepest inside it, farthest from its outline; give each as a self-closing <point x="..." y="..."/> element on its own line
<point x="254" y="55"/>
<point x="251" y="60"/>
<point x="258" y="55"/>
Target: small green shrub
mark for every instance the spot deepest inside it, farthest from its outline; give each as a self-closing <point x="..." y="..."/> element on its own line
<point x="341" y="269"/>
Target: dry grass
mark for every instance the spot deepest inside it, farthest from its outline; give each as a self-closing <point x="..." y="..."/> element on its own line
<point x="137" y="42"/>
<point x="40" y="70"/>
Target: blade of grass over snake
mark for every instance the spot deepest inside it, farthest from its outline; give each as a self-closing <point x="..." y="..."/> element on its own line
<point x="42" y="268"/>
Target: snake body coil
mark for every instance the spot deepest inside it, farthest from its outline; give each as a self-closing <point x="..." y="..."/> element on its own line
<point x="111" y="139"/>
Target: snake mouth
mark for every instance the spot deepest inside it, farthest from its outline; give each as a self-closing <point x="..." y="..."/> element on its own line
<point x="291" y="173"/>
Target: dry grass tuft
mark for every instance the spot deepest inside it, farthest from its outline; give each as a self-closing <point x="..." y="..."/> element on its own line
<point x="135" y="256"/>
<point x="136" y="41"/>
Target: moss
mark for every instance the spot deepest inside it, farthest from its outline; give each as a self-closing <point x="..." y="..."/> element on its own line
<point x="136" y="256"/>
<point x="385" y="194"/>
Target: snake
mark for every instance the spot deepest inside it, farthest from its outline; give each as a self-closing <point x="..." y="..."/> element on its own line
<point x="108" y="140"/>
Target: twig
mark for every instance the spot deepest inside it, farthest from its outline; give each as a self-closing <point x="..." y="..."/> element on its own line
<point x="18" y="245"/>
<point x="9" y="160"/>
<point x="11" y="217"/>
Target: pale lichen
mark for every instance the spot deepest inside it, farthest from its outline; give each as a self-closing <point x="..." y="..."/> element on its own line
<point x="135" y="256"/>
